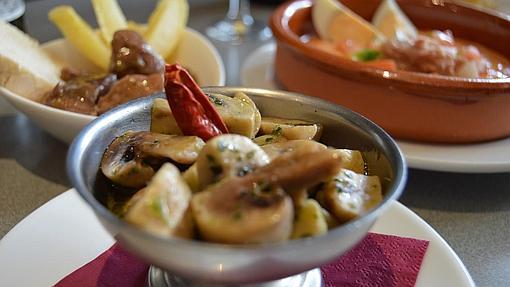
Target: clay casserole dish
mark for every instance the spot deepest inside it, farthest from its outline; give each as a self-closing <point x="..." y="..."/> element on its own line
<point x="410" y="106"/>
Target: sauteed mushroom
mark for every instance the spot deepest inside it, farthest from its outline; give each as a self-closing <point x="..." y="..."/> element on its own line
<point x="348" y="194"/>
<point x="80" y="92"/>
<point x="131" y="55"/>
<point x="255" y="208"/>
<point x="279" y="148"/>
<point x="128" y="88"/>
<point x="129" y="159"/>
<point x="227" y="156"/>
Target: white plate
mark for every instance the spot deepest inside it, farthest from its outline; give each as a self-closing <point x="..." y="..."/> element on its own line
<point x="257" y="72"/>
<point x="64" y="234"/>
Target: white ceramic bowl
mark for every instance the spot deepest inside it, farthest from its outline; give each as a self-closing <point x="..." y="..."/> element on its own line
<point x="195" y="52"/>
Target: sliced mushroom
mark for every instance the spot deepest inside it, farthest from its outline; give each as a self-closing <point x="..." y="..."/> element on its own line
<point x="227" y="156"/>
<point x="130" y="87"/>
<point x="162" y="208"/>
<point x="258" y="117"/>
<point x="255" y="208"/>
<point x="348" y="194"/>
<point x="239" y="113"/>
<point x="191" y="178"/>
<point x="248" y="216"/>
<point x="127" y="160"/>
<point x="277" y="149"/>
<point x="291" y="129"/>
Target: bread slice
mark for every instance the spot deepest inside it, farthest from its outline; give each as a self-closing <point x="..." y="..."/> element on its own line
<point x="25" y="68"/>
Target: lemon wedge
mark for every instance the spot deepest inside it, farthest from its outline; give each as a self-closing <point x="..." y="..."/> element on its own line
<point x="336" y="23"/>
<point x="393" y="23"/>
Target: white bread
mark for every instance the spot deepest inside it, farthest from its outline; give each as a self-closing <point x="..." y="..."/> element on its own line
<point x="25" y="68"/>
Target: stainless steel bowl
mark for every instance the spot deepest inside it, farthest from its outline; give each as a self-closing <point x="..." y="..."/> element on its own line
<point x="218" y="263"/>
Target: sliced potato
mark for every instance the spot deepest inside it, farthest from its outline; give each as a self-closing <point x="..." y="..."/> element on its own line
<point x="309" y="220"/>
<point x="239" y="115"/>
<point x="110" y="18"/>
<point x="166" y="25"/>
<point x="349" y="194"/>
<point x="290" y="129"/>
<point x="163" y="206"/>
<point x="191" y="178"/>
<point x="81" y="35"/>
<point x="137" y="27"/>
<point x="352" y="160"/>
<point x="162" y="119"/>
<point x="330" y="219"/>
<point x="299" y="197"/>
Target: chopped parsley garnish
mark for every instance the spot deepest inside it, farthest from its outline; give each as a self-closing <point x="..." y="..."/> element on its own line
<point x="156" y="206"/>
<point x="269" y="139"/>
<point x="134" y="170"/>
<point x="277" y="131"/>
<point x="367" y="55"/>
<point x="237" y="215"/>
<point x="215" y="100"/>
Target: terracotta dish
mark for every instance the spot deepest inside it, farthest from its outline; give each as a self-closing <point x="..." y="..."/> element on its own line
<point x="410" y="106"/>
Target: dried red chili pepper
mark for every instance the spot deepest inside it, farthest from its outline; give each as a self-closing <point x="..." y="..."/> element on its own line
<point x="192" y="110"/>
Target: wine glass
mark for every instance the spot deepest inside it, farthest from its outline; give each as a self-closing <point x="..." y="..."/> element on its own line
<point x="11" y="10"/>
<point x="238" y="25"/>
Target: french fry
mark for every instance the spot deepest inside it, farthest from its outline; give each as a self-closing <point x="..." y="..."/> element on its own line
<point x="110" y="18"/>
<point x="166" y="25"/>
<point x="81" y="35"/>
<point x="137" y="27"/>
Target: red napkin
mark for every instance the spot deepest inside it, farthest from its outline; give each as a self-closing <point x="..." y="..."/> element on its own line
<point x="379" y="260"/>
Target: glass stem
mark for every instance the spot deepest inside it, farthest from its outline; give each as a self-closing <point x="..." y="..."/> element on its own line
<point x="239" y="10"/>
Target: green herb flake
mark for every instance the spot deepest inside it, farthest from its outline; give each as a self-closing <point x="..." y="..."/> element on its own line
<point x="268" y="139"/>
<point x="134" y="170"/>
<point x="367" y="55"/>
<point x="210" y="158"/>
<point x="214" y="167"/>
<point x="237" y="215"/>
<point x="277" y="131"/>
<point x="155" y="206"/>
<point x="215" y="100"/>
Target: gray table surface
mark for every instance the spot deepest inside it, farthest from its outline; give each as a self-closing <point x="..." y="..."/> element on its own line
<point x="471" y="211"/>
